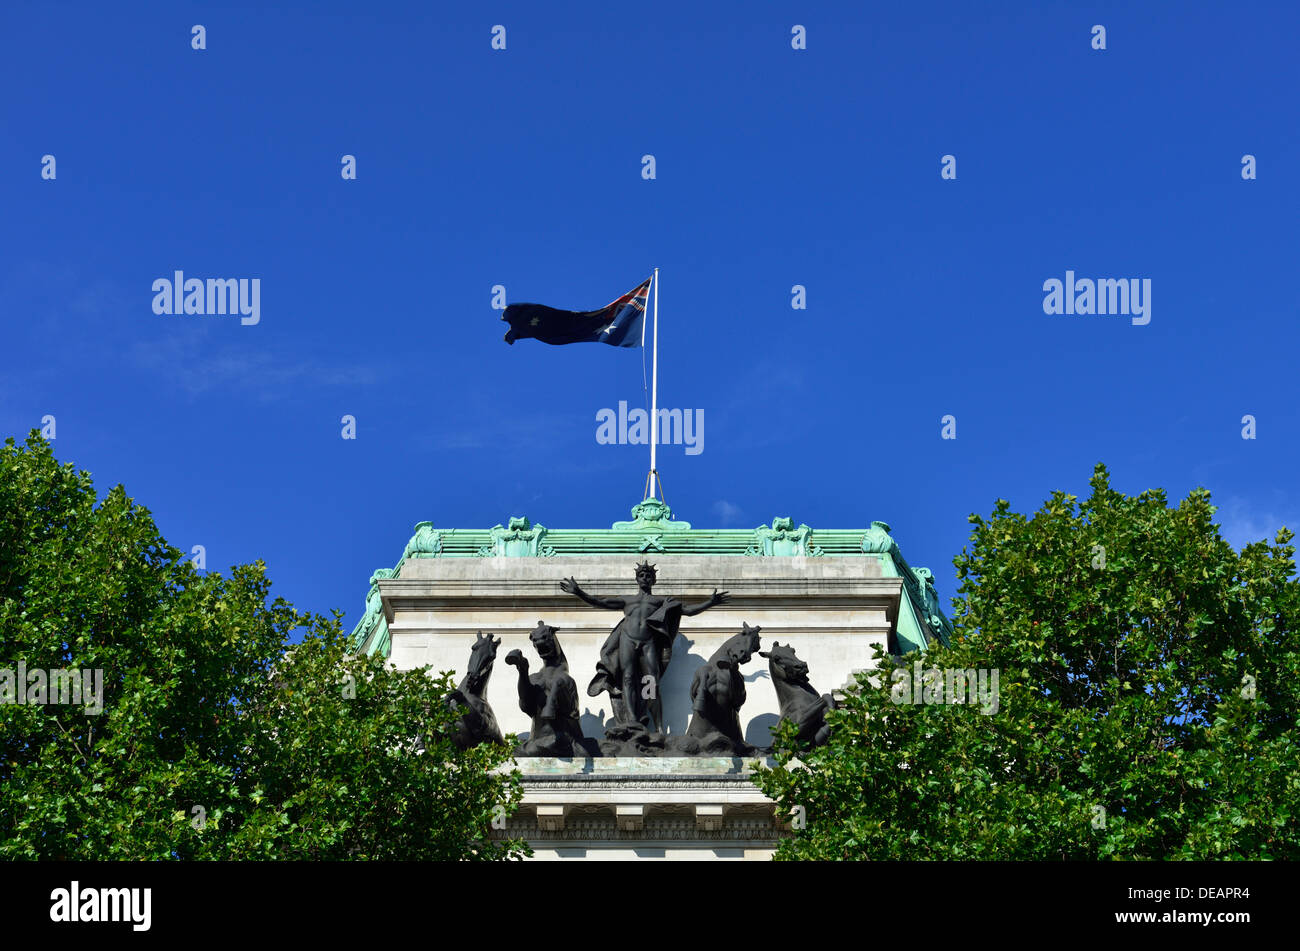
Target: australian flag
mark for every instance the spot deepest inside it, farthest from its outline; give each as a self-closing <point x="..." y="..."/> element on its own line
<point x="617" y="324"/>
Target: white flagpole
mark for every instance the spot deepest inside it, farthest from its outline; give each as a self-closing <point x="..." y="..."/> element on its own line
<point x="654" y="393"/>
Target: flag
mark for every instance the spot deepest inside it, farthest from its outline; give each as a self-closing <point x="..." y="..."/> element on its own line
<point x="618" y="323"/>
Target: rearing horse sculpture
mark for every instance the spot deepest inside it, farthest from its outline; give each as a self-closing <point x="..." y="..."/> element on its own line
<point x="476" y="722"/>
<point x="717" y="691"/>
<point x="800" y="703"/>
<point x="550" y="697"/>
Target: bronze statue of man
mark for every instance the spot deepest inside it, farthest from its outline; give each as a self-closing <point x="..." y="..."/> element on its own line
<point x="636" y="654"/>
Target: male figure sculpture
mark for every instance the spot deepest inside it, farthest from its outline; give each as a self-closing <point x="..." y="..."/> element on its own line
<point x="637" y="652"/>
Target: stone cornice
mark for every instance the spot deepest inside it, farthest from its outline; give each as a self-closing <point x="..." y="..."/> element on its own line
<point x="543" y="594"/>
<point x="652" y="533"/>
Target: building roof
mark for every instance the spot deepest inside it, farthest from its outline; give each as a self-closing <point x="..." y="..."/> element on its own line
<point x="653" y="530"/>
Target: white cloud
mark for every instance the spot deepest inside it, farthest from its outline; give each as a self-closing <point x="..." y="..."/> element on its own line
<point x="197" y="363"/>
<point x="727" y="513"/>
<point x="1242" y="522"/>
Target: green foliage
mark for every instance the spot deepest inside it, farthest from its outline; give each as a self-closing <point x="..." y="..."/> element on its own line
<point x="1148" y="708"/>
<point x="288" y="751"/>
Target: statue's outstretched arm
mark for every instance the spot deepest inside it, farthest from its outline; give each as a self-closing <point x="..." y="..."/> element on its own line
<point x="570" y="586"/>
<point x="718" y="597"/>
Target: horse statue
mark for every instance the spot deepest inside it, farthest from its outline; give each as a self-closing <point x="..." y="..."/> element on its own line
<point x="476" y="723"/>
<point x="800" y="704"/>
<point x="550" y="697"/>
<point x="717" y="691"/>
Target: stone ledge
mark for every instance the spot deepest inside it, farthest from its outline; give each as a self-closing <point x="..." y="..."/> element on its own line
<point x="667" y="768"/>
<point x="702" y="824"/>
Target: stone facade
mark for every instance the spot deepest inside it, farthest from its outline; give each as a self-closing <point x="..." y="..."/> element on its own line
<point x="833" y="596"/>
<point x="617" y="808"/>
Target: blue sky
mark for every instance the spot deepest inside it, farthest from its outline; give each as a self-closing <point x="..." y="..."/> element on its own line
<point x="523" y="167"/>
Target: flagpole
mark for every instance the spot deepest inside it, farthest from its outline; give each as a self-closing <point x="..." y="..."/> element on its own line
<point x="654" y="393"/>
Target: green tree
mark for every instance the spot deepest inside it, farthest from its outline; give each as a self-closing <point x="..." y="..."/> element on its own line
<point x="1149" y="690"/>
<point x="220" y="736"/>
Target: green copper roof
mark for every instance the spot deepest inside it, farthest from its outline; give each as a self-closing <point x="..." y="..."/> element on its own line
<point x="653" y="530"/>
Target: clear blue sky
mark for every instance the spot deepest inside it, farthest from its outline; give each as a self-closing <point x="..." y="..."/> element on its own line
<point x="522" y="167"/>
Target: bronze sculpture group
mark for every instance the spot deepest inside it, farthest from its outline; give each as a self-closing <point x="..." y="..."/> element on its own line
<point x="632" y="663"/>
